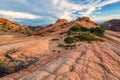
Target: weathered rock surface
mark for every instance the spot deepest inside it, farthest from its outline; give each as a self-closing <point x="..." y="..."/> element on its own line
<point x="64" y="25"/>
<point x="89" y="61"/>
<point x="84" y="22"/>
<point x="94" y="61"/>
<point x="54" y="26"/>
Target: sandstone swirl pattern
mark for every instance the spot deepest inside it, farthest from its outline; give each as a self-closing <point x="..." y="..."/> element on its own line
<point x="94" y="61"/>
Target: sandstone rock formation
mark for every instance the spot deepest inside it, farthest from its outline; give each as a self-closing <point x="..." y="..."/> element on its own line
<point x="9" y="26"/>
<point x="113" y="25"/>
<point x="54" y="27"/>
<point x="64" y="25"/>
<point x="97" y="60"/>
<point x="87" y="61"/>
<point x="84" y="22"/>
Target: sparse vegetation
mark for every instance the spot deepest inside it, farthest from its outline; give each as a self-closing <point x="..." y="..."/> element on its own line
<point x="84" y="29"/>
<point x="74" y="29"/>
<point x="99" y="31"/>
<point x="69" y="40"/>
<point x="84" y="34"/>
<point x="63" y="33"/>
<point x="55" y="39"/>
<point x="50" y="31"/>
<point x="1" y="63"/>
<point x="61" y="45"/>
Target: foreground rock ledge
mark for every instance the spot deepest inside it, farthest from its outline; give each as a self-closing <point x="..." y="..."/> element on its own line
<point x="94" y="61"/>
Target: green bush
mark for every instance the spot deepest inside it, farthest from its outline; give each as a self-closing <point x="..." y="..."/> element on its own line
<point x="54" y="39"/>
<point x="63" y="33"/>
<point x="61" y="45"/>
<point x="84" y="34"/>
<point x="50" y="31"/>
<point x="85" y="37"/>
<point x="69" y="32"/>
<point x="75" y="29"/>
<point x="28" y="34"/>
<point x="82" y="37"/>
<point x="69" y="40"/>
<point x="1" y="63"/>
<point x="99" y="31"/>
<point x="84" y="29"/>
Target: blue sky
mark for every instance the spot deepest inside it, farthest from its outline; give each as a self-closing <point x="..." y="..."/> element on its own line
<point x="37" y="12"/>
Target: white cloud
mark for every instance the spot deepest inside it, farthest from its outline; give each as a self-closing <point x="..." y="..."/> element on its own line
<point x="66" y="8"/>
<point x="106" y="2"/>
<point x="50" y="10"/>
<point x="17" y="15"/>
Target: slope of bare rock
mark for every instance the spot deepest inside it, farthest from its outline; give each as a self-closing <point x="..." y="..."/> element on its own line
<point x="114" y="48"/>
<point x="84" y="22"/>
<point x="54" y="27"/>
<point x="94" y="61"/>
<point x="113" y="33"/>
<point x="113" y="38"/>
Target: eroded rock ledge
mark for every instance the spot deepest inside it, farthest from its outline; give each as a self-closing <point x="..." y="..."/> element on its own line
<point x="89" y="61"/>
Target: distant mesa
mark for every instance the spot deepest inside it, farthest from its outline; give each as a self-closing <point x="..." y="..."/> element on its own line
<point x="35" y="28"/>
<point x="113" y="25"/>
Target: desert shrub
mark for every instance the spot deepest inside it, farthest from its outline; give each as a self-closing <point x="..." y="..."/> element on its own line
<point x="84" y="34"/>
<point x="69" y="32"/>
<point x="54" y="50"/>
<point x="69" y="40"/>
<point x="61" y="45"/>
<point x="84" y="29"/>
<point x="9" y="28"/>
<point x="1" y="63"/>
<point x="85" y="37"/>
<point x="59" y="51"/>
<point x="62" y="33"/>
<point x="99" y="31"/>
<point x="28" y="33"/>
<point x="54" y="39"/>
<point x="3" y="70"/>
<point x="50" y="31"/>
<point x="20" y="66"/>
<point x="99" y="39"/>
<point x="75" y="29"/>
